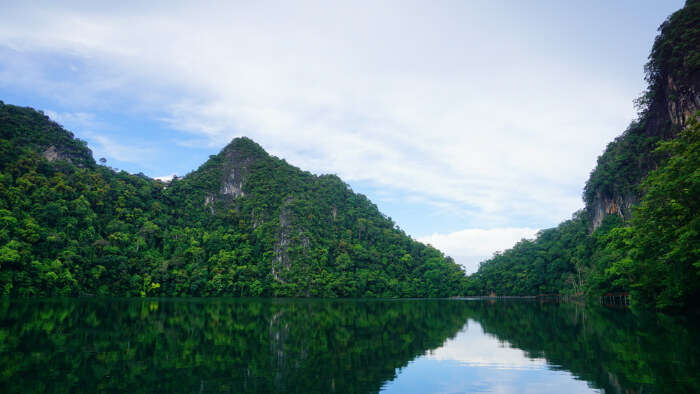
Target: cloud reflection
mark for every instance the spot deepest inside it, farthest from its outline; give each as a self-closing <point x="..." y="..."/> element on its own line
<point x="476" y="362"/>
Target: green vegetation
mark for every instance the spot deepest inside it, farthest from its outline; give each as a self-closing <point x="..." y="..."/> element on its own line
<point x="248" y="224"/>
<point x="649" y="180"/>
<point x="622" y="166"/>
<point x="543" y="266"/>
<point x="659" y="252"/>
<point x="655" y="255"/>
<point x="243" y="224"/>
<point x="675" y="55"/>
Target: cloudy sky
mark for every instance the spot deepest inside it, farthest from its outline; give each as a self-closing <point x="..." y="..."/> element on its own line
<point x="471" y="123"/>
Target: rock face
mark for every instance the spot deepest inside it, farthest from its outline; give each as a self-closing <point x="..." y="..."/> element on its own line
<point x="675" y="104"/>
<point x="672" y="100"/>
<point x="284" y="239"/>
<point x="233" y="185"/>
<point x="236" y="167"/>
<point x="289" y="234"/>
<point x="687" y="103"/>
<point x="617" y="205"/>
<point x="234" y="170"/>
<point x="669" y="114"/>
<point x="52" y="153"/>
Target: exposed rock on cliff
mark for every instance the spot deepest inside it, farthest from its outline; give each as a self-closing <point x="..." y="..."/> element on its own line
<point x="231" y="167"/>
<point x="47" y="137"/>
<point x="236" y="162"/>
<point x="672" y="99"/>
<point x="245" y="223"/>
<point x="618" y="205"/>
<point x="289" y="235"/>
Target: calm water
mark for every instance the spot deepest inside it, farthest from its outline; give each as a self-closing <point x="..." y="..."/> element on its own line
<point x="355" y="346"/>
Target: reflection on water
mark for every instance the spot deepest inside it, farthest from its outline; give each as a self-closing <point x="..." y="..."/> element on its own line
<point x="474" y="348"/>
<point x="266" y="345"/>
<point x="611" y="349"/>
<point x="475" y="361"/>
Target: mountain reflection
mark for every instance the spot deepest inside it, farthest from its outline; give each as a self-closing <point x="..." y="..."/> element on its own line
<point x="362" y="346"/>
<point x="612" y="349"/>
<point x="216" y="345"/>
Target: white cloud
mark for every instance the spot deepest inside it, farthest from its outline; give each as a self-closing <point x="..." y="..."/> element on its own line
<point x="166" y="178"/>
<point x="442" y="103"/>
<point x="471" y="246"/>
<point x="101" y="144"/>
<point x="106" y="146"/>
<point x="83" y="119"/>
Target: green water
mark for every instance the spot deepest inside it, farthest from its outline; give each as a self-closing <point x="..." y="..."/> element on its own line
<point x="350" y="346"/>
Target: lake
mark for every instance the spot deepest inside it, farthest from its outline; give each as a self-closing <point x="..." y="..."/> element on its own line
<point x="345" y="346"/>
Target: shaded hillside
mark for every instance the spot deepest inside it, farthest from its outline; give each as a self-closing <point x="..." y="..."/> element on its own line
<point x="640" y="230"/>
<point x="245" y="223"/>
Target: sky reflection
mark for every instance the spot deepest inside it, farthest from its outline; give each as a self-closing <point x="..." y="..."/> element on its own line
<point x="474" y="361"/>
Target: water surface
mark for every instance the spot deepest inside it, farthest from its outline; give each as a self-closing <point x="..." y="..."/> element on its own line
<point x="346" y="346"/>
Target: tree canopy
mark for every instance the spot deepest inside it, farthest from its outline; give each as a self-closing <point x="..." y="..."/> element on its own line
<point x="244" y="224"/>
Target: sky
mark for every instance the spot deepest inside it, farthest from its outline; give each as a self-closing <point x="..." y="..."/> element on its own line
<point x="472" y="124"/>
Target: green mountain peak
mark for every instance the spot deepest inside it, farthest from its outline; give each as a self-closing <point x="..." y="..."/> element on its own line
<point x="243" y="224"/>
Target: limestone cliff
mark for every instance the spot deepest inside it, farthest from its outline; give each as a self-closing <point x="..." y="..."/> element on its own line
<point x="672" y="99"/>
<point x="283" y="207"/>
<point x="231" y="170"/>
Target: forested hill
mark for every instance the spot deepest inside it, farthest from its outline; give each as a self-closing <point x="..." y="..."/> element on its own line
<point x="244" y="224"/>
<point x="640" y="229"/>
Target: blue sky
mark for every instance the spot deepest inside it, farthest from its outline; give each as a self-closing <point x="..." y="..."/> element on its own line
<point x="471" y="124"/>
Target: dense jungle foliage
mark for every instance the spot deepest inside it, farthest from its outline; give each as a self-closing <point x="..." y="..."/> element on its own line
<point x="653" y="251"/>
<point x="655" y="255"/>
<point x="244" y="224"/>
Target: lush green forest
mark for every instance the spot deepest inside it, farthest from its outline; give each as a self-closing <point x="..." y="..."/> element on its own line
<point x="244" y="224"/>
<point x="640" y="229"/>
<point x="249" y="224"/>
